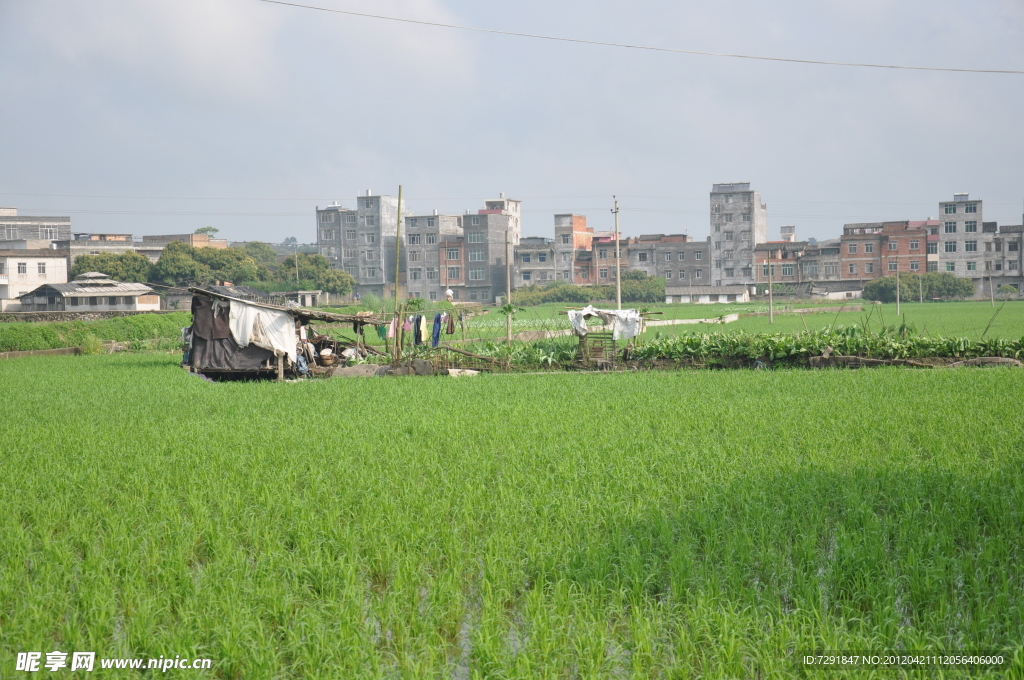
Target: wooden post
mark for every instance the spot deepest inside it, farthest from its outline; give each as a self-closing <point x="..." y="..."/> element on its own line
<point x="280" y="367"/>
<point x="771" y="302"/>
<point x="897" y="285"/>
<point x="508" y="285"/>
<point x="618" y="264"/>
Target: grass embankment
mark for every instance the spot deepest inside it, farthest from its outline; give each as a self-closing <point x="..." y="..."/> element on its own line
<point x="677" y="524"/>
<point x="20" y="336"/>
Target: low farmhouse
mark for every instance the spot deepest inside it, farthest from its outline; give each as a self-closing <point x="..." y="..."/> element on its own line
<point x="90" y="292"/>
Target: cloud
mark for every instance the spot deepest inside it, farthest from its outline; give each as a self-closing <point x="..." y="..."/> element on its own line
<point x="214" y="45"/>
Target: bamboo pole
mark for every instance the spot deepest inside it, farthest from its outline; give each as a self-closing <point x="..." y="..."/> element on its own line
<point x="398" y="245"/>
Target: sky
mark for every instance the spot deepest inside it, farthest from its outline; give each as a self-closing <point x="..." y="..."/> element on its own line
<point x="163" y="116"/>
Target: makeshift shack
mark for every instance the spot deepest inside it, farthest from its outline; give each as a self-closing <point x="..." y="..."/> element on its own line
<point x="231" y="337"/>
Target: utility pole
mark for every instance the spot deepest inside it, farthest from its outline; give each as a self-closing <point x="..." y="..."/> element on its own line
<point x="618" y="264"/>
<point x="771" y="302"/>
<point x="991" y="289"/>
<point x="920" y="285"/>
<point x="508" y="285"/>
<point x="398" y="245"/>
<point x="897" y="285"/>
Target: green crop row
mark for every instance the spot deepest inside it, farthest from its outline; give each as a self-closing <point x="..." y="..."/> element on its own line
<point x="53" y="335"/>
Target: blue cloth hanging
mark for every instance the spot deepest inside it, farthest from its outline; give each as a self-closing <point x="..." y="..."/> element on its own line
<point x="436" y="337"/>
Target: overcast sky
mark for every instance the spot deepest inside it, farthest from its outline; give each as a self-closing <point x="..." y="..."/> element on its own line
<point x="161" y="116"/>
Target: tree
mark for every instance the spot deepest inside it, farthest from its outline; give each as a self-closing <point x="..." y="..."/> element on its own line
<point x="261" y="253"/>
<point x="290" y="241"/>
<point x="212" y="231"/>
<point x="310" y="267"/>
<point x="335" y="281"/>
<point x="228" y="264"/>
<point x="127" y="266"/>
<point x="178" y="266"/>
<point x="1007" y="291"/>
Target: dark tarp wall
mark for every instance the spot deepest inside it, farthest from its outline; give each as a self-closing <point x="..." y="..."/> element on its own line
<point x="213" y="348"/>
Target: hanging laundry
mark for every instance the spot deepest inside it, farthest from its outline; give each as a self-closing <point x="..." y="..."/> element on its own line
<point x="435" y="337"/>
<point x="407" y="326"/>
<point x="392" y="326"/>
<point x="415" y="326"/>
<point x="451" y="324"/>
<point x="382" y="332"/>
<point x="424" y="337"/>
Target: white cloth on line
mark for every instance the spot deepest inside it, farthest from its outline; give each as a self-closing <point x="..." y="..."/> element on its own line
<point x="267" y="328"/>
<point x="625" y="323"/>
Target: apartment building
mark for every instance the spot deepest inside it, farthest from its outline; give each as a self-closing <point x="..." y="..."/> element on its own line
<point x="677" y="258"/>
<point x="739" y="221"/>
<point x="22" y="231"/>
<point x="535" y="262"/>
<point x="24" y="269"/>
<point x="872" y="249"/>
<point x="974" y="249"/>
<point x="427" y="240"/>
<point x="362" y="241"/>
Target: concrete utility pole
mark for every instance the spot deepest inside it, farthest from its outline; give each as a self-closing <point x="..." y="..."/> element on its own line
<point x="771" y="302"/>
<point x="508" y="284"/>
<point x="991" y="290"/>
<point x="897" y="285"/>
<point x="398" y="244"/>
<point x="618" y="265"/>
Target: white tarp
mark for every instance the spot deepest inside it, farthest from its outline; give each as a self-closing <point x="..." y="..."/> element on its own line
<point x="267" y="328"/>
<point x="625" y="323"/>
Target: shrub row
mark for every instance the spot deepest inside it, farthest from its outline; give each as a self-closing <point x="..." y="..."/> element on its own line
<point x="25" y="336"/>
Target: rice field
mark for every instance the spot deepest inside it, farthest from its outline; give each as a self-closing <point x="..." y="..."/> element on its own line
<point x="638" y="525"/>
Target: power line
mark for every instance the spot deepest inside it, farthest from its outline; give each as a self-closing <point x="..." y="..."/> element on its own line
<point x="637" y="47"/>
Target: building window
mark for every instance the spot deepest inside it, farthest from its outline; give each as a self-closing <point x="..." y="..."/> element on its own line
<point x="728" y="236"/>
<point x="641" y="257"/>
<point x="932" y="266"/>
<point x="476" y="256"/>
<point x="565" y="274"/>
<point x="525" y="257"/>
<point x="718" y="228"/>
<point x="950" y="246"/>
<point x="831" y="269"/>
<point x="668" y="274"/>
<point x="1012" y="246"/>
<point x="949" y="227"/>
<point x="602" y="254"/>
<point x="716" y="208"/>
<point x="73" y="302"/>
<point x="728" y="217"/>
<point x="350" y="252"/>
<point x="23" y="267"/>
<point x="698" y="274"/>
<point x="809" y="268"/>
<point x="729" y="272"/>
<point x="431" y="221"/>
<point x="728" y="254"/>
<point x="746" y="217"/>
<point x="415" y="274"/>
<point x="93" y="301"/>
<point x="971" y="208"/>
<point x="699" y="255"/>
<point x="951" y="266"/>
<point x="371" y="220"/>
<point x="326" y="217"/>
<point x="350" y="218"/>
<point x="950" y="209"/>
<point x="718" y="264"/>
<point x="542" y="257"/>
<point x="414" y="239"/>
<point x="48" y="233"/>
<point x="892" y="245"/>
<point x="971" y="226"/>
<point x="476" y="274"/>
<point x="475" y="237"/>
<point x="853" y="268"/>
<point x="915" y="265"/>
<point x="767" y="270"/>
<point x="915" y="245"/>
<point x="681" y="255"/>
<point x="747" y="272"/>
<point x="414" y="256"/>
<point x="851" y="248"/>
<point x="474" y="221"/>
<point x="413" y="222"/>
<point x="892" y="266"/>
<point x="668" y="257"/>
<point x="972" y="266"/>
<point x="452" y="254"/>
<point x="369" y="238"/>
<point x="454" y="272"/>
<point x="41" y="268"/>
<point x="353" y="270"/>
<point x="787" y="270"/>
<point x="371" y="272"/>
<point x="431" y="273"/>
<point x="431" y="239"/>
<point x="932" y="248"/>
<point x="368" y="203"/>
<point x="869" y="247"/>
<point x="584" y="274"/>
<point x="1012" y="264"/>
<point x="12" y="233"/>
<point x="604" y="274"/>
<point x="971" y="246"/>
<point x="350" y="234"/>
<point x="565" y="239"/>
<point x="869" y="267"/>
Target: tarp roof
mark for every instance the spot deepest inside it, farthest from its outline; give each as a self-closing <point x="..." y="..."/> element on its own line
<point x="305" y="315"/>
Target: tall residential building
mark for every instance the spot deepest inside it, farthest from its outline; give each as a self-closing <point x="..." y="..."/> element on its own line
<point x="961" y="238"/>
<point x="31" y="232"/>
<point x="739" y="221"/>
<point x="362" y="241"/>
